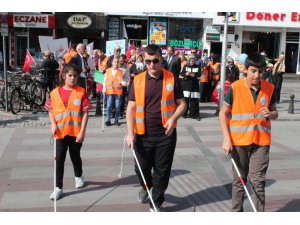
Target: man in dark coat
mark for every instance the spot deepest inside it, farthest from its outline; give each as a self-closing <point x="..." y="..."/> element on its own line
<point x="50" y="67"/>
<point x="172" y="62"/>
<point x="80" y="61"/>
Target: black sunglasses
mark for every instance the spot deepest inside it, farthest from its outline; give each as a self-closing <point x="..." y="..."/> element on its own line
<point x="148" y="61"/>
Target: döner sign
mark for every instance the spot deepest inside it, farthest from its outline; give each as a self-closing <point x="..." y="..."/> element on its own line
<point x="79" y="21"/>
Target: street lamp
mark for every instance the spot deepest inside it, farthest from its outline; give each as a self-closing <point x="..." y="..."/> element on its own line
<point x="223" y="62"/>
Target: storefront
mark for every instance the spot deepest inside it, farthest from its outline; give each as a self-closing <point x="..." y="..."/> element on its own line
<point x="82" y="28"/>
<point x="183" y="31"/>
<point x="24" y="32"/>
<point x="272" y="33"/>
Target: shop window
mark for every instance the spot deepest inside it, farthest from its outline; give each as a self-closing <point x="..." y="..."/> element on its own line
<point x="185" y="29"/>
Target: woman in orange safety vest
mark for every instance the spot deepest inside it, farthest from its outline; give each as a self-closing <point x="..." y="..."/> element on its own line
<point x="68" y="107"/>
<point x="113" y="89"/>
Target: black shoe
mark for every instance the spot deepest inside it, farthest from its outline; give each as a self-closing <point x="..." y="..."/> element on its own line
<point x="158" y="207"/>
<point x="108" y="123"/>
<point x="198" y="118"/>
<point x="117" y="123"/>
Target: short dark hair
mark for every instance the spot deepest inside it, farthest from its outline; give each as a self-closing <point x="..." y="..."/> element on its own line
<point x="69" y="67"/>
<point x="255" y="59"/>
<point x="153" y="50"/>
<point x="73" y="45"/>
<point x="173" y="49"/>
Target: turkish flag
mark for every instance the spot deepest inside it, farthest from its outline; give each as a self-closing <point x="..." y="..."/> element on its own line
<point x="28" y="61"/>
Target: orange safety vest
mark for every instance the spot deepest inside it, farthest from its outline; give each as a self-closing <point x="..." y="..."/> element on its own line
<point x="215" y="68"/>
<point x="113" y="83"/>
<point x="68" y="119"/>
<point x="168" y="105"/>
<point x="183" y="63"/>
<point x="204" y="75"/>
<point x="102" y="65"/>
<point x="246" y="123"/>
<point x="69" y="55"/>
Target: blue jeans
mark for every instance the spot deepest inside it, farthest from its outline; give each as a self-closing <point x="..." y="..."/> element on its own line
<point x="117" y="106"/>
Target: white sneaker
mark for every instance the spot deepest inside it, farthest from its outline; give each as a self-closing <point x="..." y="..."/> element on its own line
<point x="79" y="182"/>
<point x="57" y="193"/>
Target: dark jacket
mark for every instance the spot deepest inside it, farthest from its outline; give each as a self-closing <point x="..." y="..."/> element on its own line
<point x="76" y="60"/>
<point x="50" y="66"/>
<point x="174" y="65"/>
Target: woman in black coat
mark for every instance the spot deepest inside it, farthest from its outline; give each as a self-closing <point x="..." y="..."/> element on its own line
<point x="190" y="85"/>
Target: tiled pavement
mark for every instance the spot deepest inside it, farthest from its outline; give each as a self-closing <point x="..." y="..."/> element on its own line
<point x="200" y="179"/>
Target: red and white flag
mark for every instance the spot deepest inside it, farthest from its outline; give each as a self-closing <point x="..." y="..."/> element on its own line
<point x="28" y="61"/>
<point x="128" y="50"/>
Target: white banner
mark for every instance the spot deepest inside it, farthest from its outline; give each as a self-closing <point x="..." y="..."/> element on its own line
<point x="54" y="45"/>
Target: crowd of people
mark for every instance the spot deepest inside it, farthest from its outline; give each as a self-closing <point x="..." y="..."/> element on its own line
<point x="158" y="91"/>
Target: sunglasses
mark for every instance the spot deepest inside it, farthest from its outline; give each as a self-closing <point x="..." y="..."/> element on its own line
<point x="148" y="61"/>
<point x="193" y="52"/>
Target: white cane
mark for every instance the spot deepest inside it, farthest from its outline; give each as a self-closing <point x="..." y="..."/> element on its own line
<point x="146" y="186"/>
<point x="103" y="114"/>
<point x="121" y="169"/>
<point x="243" y="183"/>
<point x="54" y="157"/>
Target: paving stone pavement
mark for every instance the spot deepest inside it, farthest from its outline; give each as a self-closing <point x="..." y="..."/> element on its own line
<point x="200" y="179"/>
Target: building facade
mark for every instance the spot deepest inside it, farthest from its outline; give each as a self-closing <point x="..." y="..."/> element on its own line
<point x="183" y="30"/>
<point x="273" y="33"/>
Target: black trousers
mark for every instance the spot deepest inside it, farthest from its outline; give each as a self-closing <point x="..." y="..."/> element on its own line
<point x="62" y="146"/>
<point x="192" y="106"/>
<point x="123" y="100"/>
<point x="155" y="152"/>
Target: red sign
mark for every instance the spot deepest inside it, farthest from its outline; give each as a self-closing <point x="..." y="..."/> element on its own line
<point x="280" y="17"/>
<point x="265" y="16"/>
<point x="35" y="21"/>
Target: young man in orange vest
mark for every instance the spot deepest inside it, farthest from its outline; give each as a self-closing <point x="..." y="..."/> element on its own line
<point x="245" y="122"/>
<point x="155" y="104"/>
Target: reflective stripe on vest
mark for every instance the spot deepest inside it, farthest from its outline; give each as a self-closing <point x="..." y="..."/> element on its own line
<point x="140" y="109"/>
<point x="168" y="102"/>
<point x="69" y="123"/>
<point x="67" y="113"/>
<point x="250" y="128"/>
<point x="246" y="116"/>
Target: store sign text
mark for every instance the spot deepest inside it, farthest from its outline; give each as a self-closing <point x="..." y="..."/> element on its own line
<point x="79" y="21"/>
<point x="185" y="44"/>
<point x="294" y="17"/>
<point x="30" y="20"/>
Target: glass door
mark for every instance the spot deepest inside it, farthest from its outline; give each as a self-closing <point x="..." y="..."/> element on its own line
<point x="21" y="46"/>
